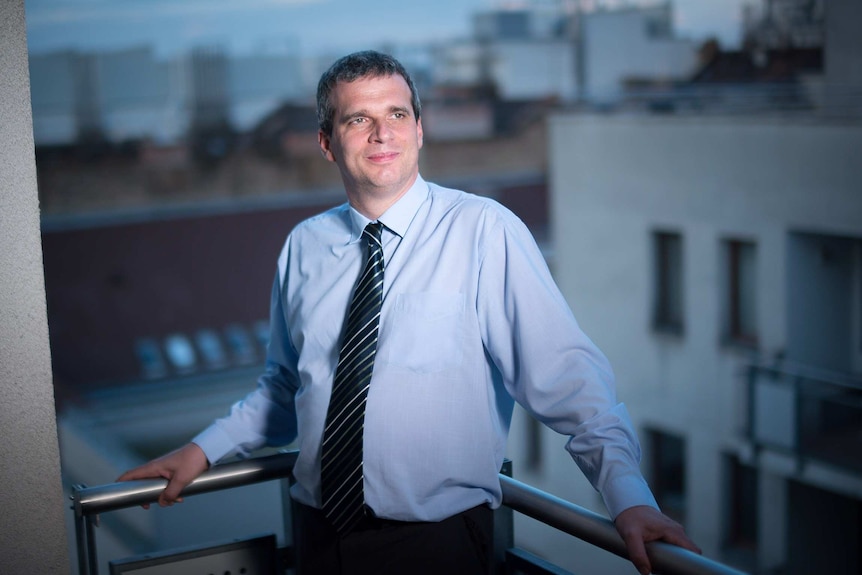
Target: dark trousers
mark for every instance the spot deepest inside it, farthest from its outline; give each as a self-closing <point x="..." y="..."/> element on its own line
<point x="459" y="545"/>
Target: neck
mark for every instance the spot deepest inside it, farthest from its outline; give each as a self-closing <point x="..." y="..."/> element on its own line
<point x="373" y="203"/>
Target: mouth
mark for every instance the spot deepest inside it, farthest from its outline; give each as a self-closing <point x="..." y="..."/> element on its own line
<point x="382" y="157"/>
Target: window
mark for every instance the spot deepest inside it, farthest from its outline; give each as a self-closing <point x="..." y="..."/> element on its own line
<point x="211" y="349"/>
<point x="741" y="513"/>
<point x="261" y="334"/>
<point x="658" y="27"/>
<point x="240" y="344"/>
<point x="668" y="304"/>
<point x="180" y="352"/>
<point x="150" y="358"/>
<point x="741" y="290"/>
<point x="667" y="476"/>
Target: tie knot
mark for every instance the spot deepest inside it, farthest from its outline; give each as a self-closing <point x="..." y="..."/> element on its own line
<point x="374" y="231"/>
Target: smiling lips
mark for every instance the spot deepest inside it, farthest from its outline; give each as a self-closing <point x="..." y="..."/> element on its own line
<point x="383" y="157"/>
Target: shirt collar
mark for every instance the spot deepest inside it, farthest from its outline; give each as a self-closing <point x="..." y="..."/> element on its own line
<point x="399" y="215"/>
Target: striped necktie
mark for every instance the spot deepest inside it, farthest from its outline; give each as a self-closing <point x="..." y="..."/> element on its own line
<point x="341" y="458"/>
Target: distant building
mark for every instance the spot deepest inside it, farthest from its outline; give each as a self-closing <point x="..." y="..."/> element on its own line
<point x="259" y="83"/>
<point x="545" y="52"/>
<point x="716" y="258"/>
<point x="717" y="261"/>
<point x="551" y="52"/>
<point x="132" y="95"/>
<point x="784" y="24"/>
<point x="630" y="44"/>
<point x="126" y="95"/>
<point x="142" y="96"/>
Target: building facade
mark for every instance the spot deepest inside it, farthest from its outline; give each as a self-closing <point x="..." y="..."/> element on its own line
<point x="718" y="263"/>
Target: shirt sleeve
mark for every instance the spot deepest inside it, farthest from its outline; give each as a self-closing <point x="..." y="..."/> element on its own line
<point x="266" y="416"/>
<point x="551" y="368"/>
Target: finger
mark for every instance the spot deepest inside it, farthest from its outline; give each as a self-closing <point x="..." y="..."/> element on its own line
<point x="168" y="501"/>
<point x="680" y="539"/>
<point x="151" y="470"/>
<point x="638" y="555"/>
<point x="674" y="533"/>
<point x="136" y="473"/>
<point x="175" y="486"/>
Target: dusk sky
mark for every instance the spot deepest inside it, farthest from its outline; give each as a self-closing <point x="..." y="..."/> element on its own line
<point x="307" y="26"/>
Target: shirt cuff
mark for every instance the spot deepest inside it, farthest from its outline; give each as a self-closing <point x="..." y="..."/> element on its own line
<point x="215" y="443"/>
<point x="627" y="491"/>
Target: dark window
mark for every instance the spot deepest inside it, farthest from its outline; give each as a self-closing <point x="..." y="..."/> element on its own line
<point x="668" y="473"/>
<point x="668" y="304"/>
<point x="658" y="28"/>
<point x="741" y="291"/>
<point x="742" y="511"/>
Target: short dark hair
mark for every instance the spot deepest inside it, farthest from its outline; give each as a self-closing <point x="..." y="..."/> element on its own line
<point x="366" y="64"/>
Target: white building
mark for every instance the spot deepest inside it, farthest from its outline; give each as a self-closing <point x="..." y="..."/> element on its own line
<point x="132" y="94"/>
<point x="691" y="249"/>
<point x="536" y="53"/>
<point x="259" y="83"/>
<point x="127" y="94"/>
<point x="632" y="43"/>
<point x="717" y="260"/>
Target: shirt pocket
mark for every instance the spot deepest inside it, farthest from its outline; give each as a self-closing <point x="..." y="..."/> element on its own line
<point x="427" y="331"/>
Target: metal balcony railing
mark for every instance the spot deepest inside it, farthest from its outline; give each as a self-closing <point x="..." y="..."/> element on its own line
<point x="813" y="100"/>
<point x="89" y="502"/>
<point x="808" y="413"/>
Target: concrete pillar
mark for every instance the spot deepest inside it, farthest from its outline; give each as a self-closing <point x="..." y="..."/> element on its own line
<point x="32" y="532"/>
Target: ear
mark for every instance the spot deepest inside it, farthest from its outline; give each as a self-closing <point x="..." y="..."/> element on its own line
<point x="419" y="134"/>
<point x="325" y="143"/>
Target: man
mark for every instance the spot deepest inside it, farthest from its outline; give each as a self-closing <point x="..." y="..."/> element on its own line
<point x="465" y="320"/>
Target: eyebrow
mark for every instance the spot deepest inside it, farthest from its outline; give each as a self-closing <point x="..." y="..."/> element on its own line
<point x="364" y="112"/>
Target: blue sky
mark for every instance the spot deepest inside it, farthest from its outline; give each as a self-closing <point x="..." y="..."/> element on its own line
<point x="311" y="26"/>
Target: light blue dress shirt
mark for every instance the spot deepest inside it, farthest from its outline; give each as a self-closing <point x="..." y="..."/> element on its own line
<point x="471" y="320"/>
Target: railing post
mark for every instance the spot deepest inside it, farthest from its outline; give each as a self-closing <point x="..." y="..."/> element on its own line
<point x="751" y="374"/>
<point x="92" y="556"/>
<point x="288" y="508"/>
<point x="800" y="421"/>
<point x="85" y="536"/>
<point x="504" y="530"/>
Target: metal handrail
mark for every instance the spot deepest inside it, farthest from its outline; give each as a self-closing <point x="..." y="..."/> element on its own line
<point x="600" y="531"/>
<point x="788" y="370"/>
<point x="88" y="502"/>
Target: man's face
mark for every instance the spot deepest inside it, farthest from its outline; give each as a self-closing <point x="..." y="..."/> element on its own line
<point x="375" y="138"/>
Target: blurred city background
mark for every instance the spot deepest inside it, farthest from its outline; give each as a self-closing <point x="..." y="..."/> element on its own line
<point x="690" y="169"/>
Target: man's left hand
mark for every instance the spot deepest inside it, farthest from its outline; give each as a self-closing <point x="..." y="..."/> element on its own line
<point x="642" y="524"/>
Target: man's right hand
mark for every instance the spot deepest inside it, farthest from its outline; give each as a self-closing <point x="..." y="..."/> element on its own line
<point x="179" y="467"/>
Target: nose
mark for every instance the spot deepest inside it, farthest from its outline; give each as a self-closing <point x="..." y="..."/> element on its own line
<point x="380" y="132"/>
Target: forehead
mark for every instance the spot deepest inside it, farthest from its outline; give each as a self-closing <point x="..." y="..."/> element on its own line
<point x="364" y="92"/>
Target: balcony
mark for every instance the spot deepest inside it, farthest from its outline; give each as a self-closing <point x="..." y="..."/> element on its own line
<point x="261" y="555"/>
<point x="810" y="415"/>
